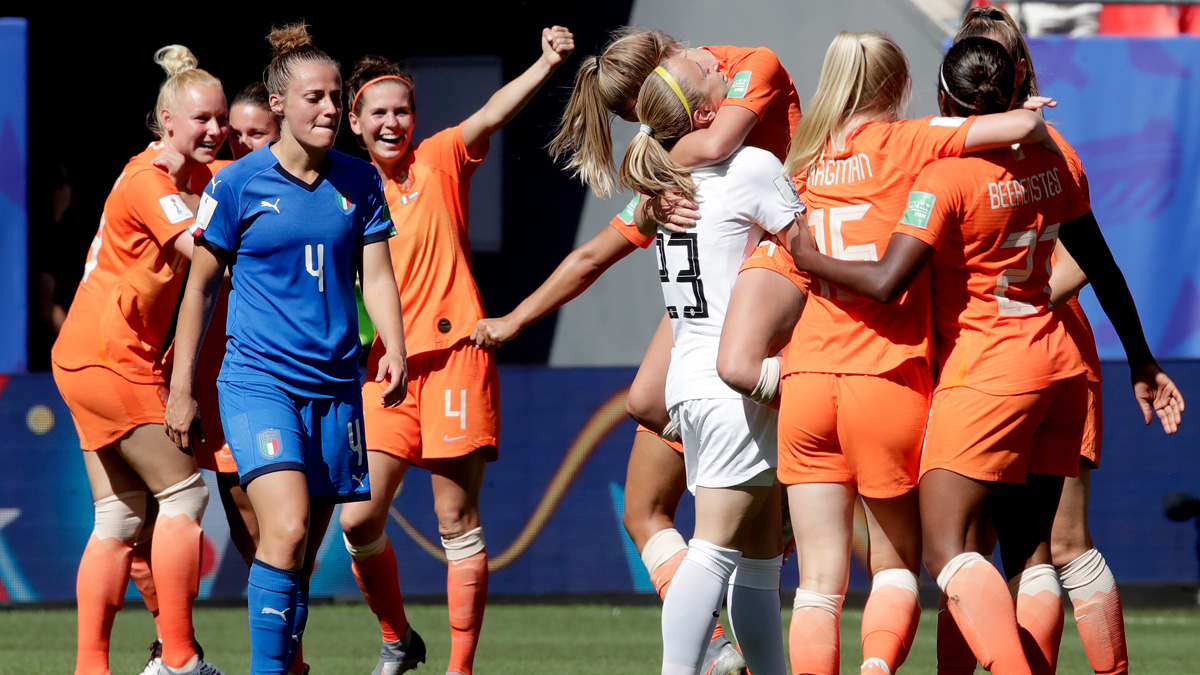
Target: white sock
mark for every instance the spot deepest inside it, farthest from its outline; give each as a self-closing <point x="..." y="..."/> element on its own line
<point x="693" y="605"/>
<point x="754" y="618"/>
<point x="1086" y="576"/>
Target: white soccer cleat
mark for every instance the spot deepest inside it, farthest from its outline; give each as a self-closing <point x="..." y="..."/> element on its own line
<point x="722" y="658"/>
<point x="154" y="663"/>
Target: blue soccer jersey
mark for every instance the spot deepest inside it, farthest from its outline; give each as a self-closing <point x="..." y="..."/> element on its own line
<point x="294" y="249"/>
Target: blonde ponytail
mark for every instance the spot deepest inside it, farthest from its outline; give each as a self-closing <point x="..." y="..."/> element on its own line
<point x="862" y="73"/>
<point x="604" y="86"/>
<point x="183" y="70"/>
<point x="648" y="168"/>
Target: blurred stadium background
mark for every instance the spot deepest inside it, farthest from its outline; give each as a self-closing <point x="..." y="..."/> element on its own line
<point x="77" y="87"/>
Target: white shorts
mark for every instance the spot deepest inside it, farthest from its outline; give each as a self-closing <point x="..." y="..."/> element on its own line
<point x="727" y="442"/>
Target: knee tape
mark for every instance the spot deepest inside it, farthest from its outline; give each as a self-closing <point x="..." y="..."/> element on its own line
<point x="661" y="547"/>
<point x="759" y="574"/>
<point x="768" y="382"/>
<point x="829" y="603"/>
<point x="465" y="545"/>
<point x="367" y="550"/>
<point x="1034" y="580"/>
<point x="1083" y="570"/>
<point x="120" y="516"/>
<point x="188" y="498"/>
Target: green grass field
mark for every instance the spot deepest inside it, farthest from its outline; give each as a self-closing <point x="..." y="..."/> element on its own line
<point x="524" y="639"/>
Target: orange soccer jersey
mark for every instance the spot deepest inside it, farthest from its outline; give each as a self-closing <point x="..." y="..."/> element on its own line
<point x="759" y="83"/>
<point x="132" y="279"/>
<point x="431" y="254"/>
<point x="994" y="219"/>
<point x="854" y="197"/>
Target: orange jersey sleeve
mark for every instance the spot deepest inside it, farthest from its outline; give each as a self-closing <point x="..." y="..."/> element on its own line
<point x="759" y="83"/>
<point x="624" y="224"/>
<point x="132" y="277"/>
<point x="431" y="252"/>
<point x="994" y="219"/>
<point x="854" y="197"/>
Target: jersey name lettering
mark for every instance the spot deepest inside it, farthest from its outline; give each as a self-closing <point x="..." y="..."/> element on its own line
<point x="1012" y="193"/>
<point x="841" y="171"/>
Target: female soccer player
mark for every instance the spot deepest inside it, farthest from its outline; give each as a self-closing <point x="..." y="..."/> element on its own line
<point x="450" y="423"/>
<point x="607" y="85"/>
<point x="1007" y="417"/>
<point x="108" y="365"/>
<point x="294" y="222"/>
<point x="252" y="124"/>
<point x="728" y="441"/>
<point x="850" y="359"/>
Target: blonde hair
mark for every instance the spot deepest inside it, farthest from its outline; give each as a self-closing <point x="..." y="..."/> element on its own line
<point x="993" y="23"/>
<point x="604" y="85"/>
<point x="291" y="44"/>
<point x="647" y="167"/>
<point x="182" y="72"/>
<point x="862" y="73"/>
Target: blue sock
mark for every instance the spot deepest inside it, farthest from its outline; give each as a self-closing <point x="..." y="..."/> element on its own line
<point x="271" y="599"/>
<point x="301" y="621"/>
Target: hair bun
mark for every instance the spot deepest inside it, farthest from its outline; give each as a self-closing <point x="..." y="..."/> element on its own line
<point x="175" y="59"/>
<point x="289" y="38"/>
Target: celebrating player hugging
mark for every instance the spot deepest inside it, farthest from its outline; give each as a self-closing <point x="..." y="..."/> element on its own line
<point x="859" y="307"/>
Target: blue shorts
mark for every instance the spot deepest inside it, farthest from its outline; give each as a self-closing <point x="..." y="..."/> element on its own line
<point x="269" y="429"/>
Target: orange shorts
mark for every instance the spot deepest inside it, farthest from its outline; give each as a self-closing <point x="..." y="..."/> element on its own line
<point x="105" y="406"/>
<point x="861" y="429"/>
<point x="677" y="446"/>
<point x="1093" y="425"/>
<point x="997" y="438"/>
<point x="772" y="255"/>
<point x="452" y="408"/>
<point x="213" y="452"/>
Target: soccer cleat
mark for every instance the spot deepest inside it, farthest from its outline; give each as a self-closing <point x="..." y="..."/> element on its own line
<point x="202" y="667"/>
<point x="722" y="658"/>
<point x="402" y="655"/>
<point x="154" y="663"/>
<point x="875" y="666"/>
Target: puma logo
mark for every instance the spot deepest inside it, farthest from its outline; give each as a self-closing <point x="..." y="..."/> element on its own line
<point x="358" y="479"/>
<point x="215" y="183"/>
<point x="281" y="612"/>
<point x="274" y="206"/>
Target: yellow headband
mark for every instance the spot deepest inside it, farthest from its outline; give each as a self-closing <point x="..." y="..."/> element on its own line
<point x="666" y="76"/>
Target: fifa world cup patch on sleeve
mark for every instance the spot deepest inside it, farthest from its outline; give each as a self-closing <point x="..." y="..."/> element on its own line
<point x="740" y="84"/>
<point x="205" y="211"/>
<point x="174" y="208"/>
<point x="787" y="190"/>
<point x="920" y="206"/>
<point x="626" y="214"/>
<point x="947" y="121"/>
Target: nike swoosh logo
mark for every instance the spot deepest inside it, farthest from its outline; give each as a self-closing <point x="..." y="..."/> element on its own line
<point x="447" y="439"/>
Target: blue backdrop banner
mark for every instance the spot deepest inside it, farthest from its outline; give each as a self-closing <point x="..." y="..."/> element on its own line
<point x="551" y="505"/>
<point x="14" y="215"/>
<point x="1129" y="107"/>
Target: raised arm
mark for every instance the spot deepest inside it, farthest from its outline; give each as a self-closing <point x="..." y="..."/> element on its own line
<point x="382" y="300"/>
<point x="574" y="275"/>
<point x="557" y="45"/>
<point x="1154" y="391"/>
<point x="881" y="280"/>
<point x="195" y="311"/>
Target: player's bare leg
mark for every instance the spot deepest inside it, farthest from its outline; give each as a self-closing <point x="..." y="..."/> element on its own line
<point x="953" y="506"/>
<point x="1087" y="579"/>
<point x="893" y="609"/>
<point x="762" y="314"/>
<point x="243" y="524"/>
<point x="457" y="483"/>
<point x="182" y="496"/>
<point x="823" y="521"/>
<point x="646" y="402"/>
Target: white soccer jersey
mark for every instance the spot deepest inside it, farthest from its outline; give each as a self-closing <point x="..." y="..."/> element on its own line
<point x="739" y="199"/>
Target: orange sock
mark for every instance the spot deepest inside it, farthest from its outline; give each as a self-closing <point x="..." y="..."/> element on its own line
<point x="890" y="618"/>
<point x="662" y="575"/>
<point x="466" y="594"/>
<point x="374" y="567"/>
<point x="1093" y="592"/>
<point x="1039" y="616"/>
<point x="978" y="599"/>
<point x="175" y="561"/>
<point x="954" y="655"/>
<point x="100" y="593"/>
<point x="139" y="572"/>
<point x="813" y="637"/>
<point x="298" y="662"/>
